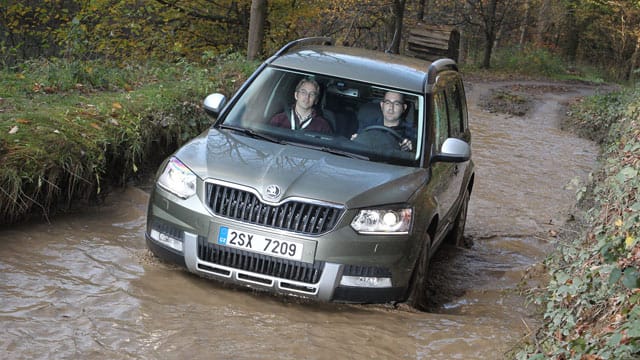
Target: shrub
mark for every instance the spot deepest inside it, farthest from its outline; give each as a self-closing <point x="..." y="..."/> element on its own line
<point x="536" y="61"/>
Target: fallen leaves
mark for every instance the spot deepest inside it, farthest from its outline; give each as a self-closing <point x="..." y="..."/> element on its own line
<point x="38" y="87"/>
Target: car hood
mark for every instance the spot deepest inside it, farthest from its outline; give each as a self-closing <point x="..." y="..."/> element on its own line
<point x="297" y="171"/>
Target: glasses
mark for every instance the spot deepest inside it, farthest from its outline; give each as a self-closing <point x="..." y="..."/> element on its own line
<point x="306" y="93"/>
<point x="392" y="103"/>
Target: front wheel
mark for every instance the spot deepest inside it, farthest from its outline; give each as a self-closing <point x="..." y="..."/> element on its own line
<point x="418" y="286"/>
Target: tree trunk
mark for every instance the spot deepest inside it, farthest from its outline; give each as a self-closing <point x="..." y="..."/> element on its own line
<point x="634" y="60"/>
<point x="488" y="49"/>
<point x="465" y="36"/>
<point x="489" y="32"/>
<point x="256" y="28"/>
<point x="542" y="34"/>
<point x="398" y="11"/>
<point x="464" y="43"/>
<point x="423" y="9"/>
<point x="525" y="23"/>
<point x="573" y="34"/>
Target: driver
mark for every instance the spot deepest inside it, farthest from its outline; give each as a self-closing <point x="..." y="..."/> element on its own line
<point x="393" y="106"/>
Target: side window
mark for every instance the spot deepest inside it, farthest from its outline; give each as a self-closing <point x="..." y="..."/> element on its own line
<point x="454" y="105"/>
<point x="440" y="118"/>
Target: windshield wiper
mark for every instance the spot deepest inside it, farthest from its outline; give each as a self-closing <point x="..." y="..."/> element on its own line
<point x="252" y="133"/>
<point x="332" y="151"/>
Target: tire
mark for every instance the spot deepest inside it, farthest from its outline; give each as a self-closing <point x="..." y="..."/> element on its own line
<point x="456" y="234"/>
<point x="418" y="294"/>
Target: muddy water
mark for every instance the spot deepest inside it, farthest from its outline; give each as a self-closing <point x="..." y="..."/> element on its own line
<point x="85" y="286"/>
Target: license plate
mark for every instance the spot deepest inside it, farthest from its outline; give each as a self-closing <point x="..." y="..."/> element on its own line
<point x="260" y="244"/>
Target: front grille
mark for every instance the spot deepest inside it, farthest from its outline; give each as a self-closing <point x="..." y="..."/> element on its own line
<point x="296" y="216"/>
<point x="259" y="264"/>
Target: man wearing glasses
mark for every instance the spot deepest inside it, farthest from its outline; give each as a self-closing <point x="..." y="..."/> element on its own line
<point x="392" y="107"/>
<point x="303" y="115"/>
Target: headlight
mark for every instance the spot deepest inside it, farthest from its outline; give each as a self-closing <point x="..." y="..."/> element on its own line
<point x="178" y="179"/>
<point x="382" y="221"/>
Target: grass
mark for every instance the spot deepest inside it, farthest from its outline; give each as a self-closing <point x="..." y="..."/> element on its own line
<point x="70" y="130"/>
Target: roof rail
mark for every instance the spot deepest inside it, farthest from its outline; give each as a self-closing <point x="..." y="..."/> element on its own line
<point x="438" y="66"/>
<point x="317" y="40"/>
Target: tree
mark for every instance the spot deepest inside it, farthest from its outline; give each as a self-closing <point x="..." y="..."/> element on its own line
<point x="488" y="15"/>
<point x="398" y="18"/>
<point x="256" y="28"/>
<point x="573" y="31"/>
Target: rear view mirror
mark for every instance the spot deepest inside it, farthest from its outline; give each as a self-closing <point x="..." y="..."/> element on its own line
<point x="453" y="150"/>
<point x="214" y="103"/>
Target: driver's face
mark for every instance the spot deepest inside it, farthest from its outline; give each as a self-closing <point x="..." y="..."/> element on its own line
<point x="392" y="106"/>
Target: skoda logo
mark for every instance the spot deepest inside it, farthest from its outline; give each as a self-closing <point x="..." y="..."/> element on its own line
<point x="273" y="192"/>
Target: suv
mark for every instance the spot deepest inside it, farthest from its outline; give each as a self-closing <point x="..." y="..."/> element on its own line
<point x="323" y="215"/>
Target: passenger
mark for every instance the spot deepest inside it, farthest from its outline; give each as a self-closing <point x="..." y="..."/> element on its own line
<point x="303" y="115"/>
<point x="393" y="107"/>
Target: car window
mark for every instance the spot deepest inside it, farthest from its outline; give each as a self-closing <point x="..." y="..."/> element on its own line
<point x="454" y="106"/>
<point x="338" y="115"/>
<point x="441" y="121"/>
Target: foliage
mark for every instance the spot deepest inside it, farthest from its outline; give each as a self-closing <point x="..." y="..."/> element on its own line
<point x="70" y="129"/>
<point x="592" y="302"/>
<point x="592" y="118"/>
<point x="611" y="33"/>
<point x="537" y="62"/>
<point x="533" y="61"/>
<point x="603" y="33"/>
<point x="158" y="29"/>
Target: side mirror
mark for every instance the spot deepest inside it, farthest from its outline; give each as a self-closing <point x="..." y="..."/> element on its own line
<point x="214" y="103"/>
<point x="453" y="150"/>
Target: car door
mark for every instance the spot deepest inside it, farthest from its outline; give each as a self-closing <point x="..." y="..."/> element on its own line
<point x="443" y="173"/>
<point x="457" y="118"/>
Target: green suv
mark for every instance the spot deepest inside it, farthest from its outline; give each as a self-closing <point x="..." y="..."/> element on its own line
<point x="349" y="208"/>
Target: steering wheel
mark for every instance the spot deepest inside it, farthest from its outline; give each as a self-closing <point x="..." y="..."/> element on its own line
<point x="384" y="128"/>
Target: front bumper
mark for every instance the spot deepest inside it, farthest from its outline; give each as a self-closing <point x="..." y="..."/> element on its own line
<point x="319" y="281"/>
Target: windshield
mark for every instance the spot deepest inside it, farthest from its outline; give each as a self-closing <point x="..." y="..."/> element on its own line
<point x="339" y="116"/>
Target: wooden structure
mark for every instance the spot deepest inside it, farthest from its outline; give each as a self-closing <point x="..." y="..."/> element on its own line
<point x="431" y="42"/>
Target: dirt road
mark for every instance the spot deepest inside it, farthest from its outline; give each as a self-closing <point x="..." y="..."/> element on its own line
<point x="85" y="286"/>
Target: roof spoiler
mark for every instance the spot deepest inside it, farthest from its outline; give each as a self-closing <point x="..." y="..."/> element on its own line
<point x="437" y="66"/>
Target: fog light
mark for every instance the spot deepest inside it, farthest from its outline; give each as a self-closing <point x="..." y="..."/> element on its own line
<point x="166" y="240"/>
<point x="363" y="281"/>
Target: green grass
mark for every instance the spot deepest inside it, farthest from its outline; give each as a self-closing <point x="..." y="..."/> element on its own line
<point x="69" y="130"/>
